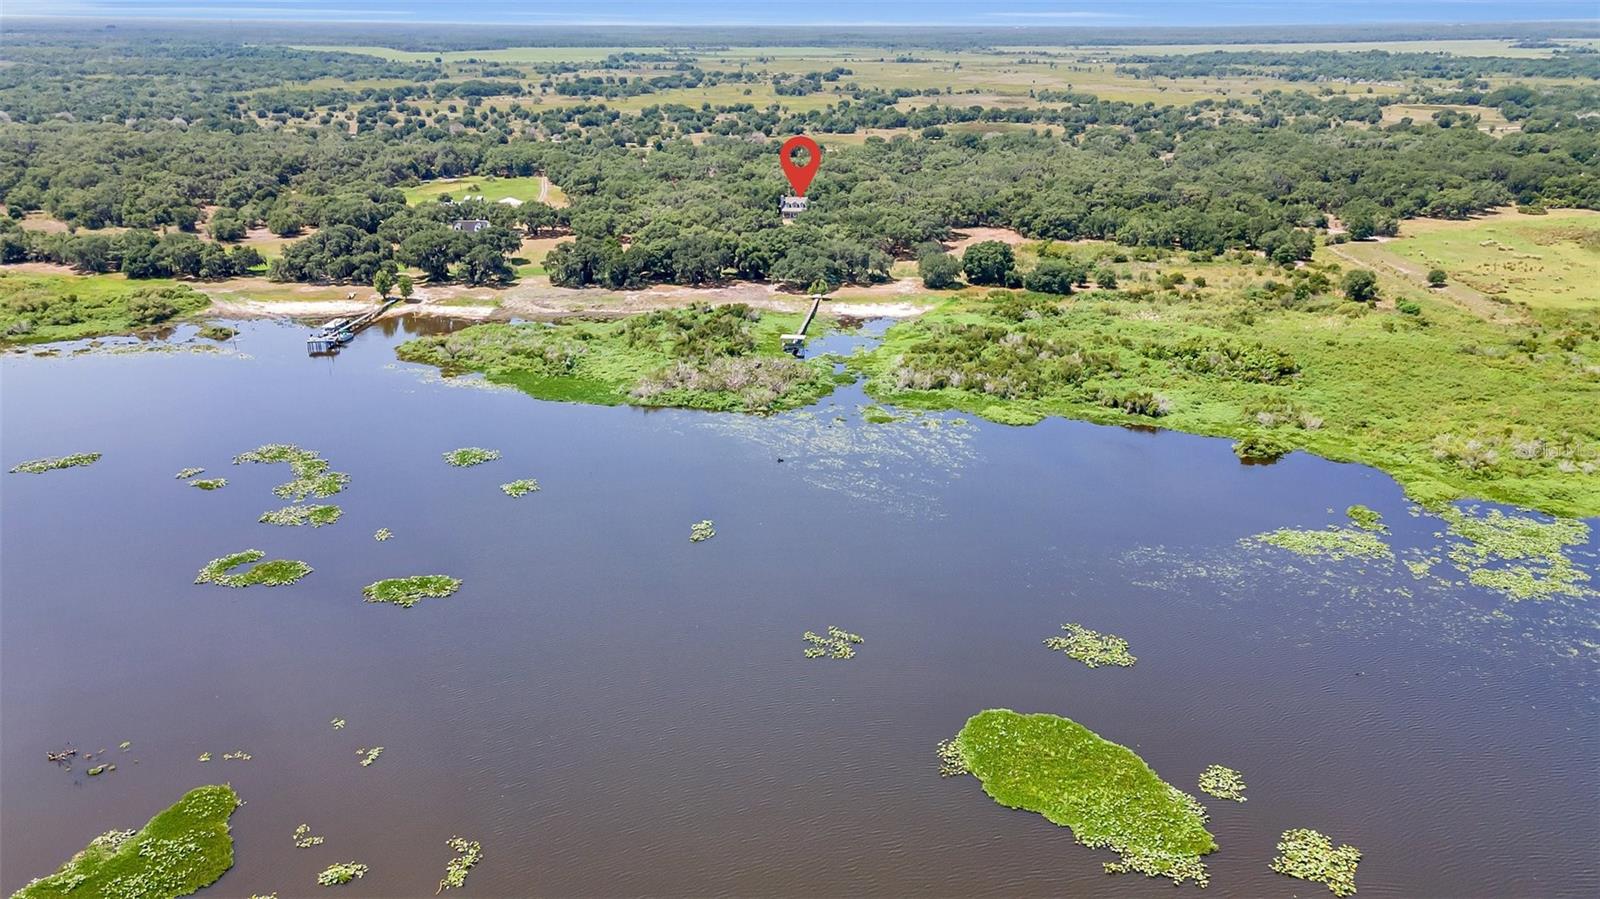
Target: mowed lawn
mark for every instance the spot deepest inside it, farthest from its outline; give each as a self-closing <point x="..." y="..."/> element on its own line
<point x="1549" y="261"/>
<point x="489" y="187"/>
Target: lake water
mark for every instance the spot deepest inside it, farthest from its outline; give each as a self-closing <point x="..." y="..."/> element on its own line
<point x="612" y="710"/>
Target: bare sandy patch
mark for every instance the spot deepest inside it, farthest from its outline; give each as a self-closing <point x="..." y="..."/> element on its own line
<point x="966" y="237"/>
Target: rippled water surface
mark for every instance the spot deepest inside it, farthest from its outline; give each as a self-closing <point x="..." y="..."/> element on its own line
<point x="612" y="710"/>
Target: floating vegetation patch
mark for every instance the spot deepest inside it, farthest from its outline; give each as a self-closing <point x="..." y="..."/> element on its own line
<point x="836" y="645"/>
<point x="341" y="873"/>
<point x="185" y="474"/>
<point x="1101" y="790"/>
<point x="1366" y="519"/>
<point x="40" y="466"/>
<point x="952" y="763"/>
<point x="179" y="851"/>
<point x="1520" y="556"/>
<point x="468" y="853"/>
<point x="1332" y="543"/>
<point x="204" y="757"/>
<point x="1092" y="648"/>
<point x="468" y="456"/>
<point x="701" y="530"/>
<point x="275" y="573"/>
<point x="297" y="515"/>
<point x="338" y="723"/>
<point x="304" y="839"/>
<point x="382" y="534"/>
<point x="1309" y="855"/>
<point x="1222" y="782"/>
<point x="311" y="474"/>
<point x="209" y="483"/>
<point x="98" y="770"/>
<point x="238" y="755"/>
<point x="520" y="488"/>
<point x="368" y="756"/>
<point x="408" y="591"/>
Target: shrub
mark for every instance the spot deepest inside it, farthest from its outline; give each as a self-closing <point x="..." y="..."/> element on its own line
<point x="989" y="262"/>
<point x="1360" y="285"/>
<point x="938" y="270"/>
<point x="1436" y="277"/>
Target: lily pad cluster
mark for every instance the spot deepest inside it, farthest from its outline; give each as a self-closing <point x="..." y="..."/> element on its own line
<point x="312" y="476"/>
<point x="408" y="591"/>
<point x="702" y="530"/>
<point x="1309" y="855"/>
<point x="1223" y="783"/>
<point x="341" y="873"/>
<point x="836" y="645"/>
<point x="275" y="573"/>
<point x="1092" y="648"/>
<point x="468" y="853"/>
<point x="302" y="514"/>
<point x="520" y="487"/>
<point x="468" y="456"/>
<point x="40" y="466"/>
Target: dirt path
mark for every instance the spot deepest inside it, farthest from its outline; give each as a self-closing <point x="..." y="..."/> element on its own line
<point x="1375" y="255"/>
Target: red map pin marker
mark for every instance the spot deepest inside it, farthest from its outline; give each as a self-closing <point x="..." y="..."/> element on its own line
<point x="800" y="175"/>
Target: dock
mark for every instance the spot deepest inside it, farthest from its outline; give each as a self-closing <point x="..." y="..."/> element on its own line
<point x="340" y="331"/>
<point x="793" y="343"/>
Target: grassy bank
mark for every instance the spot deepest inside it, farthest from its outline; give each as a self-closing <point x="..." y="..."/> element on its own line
<point x="1450" y="404"/>
<point x="40" y="308"/>
<point x="721" y="358"/>
<point x="184" y="848"/>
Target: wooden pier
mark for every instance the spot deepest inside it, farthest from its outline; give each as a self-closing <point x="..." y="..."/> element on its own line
<point x="339" y="332"/>
<point x="793" y="343"/>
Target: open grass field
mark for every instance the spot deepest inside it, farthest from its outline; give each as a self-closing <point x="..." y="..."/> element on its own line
<point x="1456" y="48"/>
<point x="489" y="187"/>
<point x="1491" y="119"/>
<point x="1542" y="261"/>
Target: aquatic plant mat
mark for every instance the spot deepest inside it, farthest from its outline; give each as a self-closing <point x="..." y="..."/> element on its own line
<point x="209" y="483"/>
<point x="836" y="645"/>
<point x="312" y="476"/>
<point x="1520" y="556"/>
<point x="408" y="591"/>
<point x="1311" y="856"/>
<point x="1222" y="782"/>
<point x="275" y="573"/>
<point x="1092" y="648"/>
<point x="701" y="531"/>
<point x="40" y="466"/>
<point x="294" y="516"/>
<point x="1101" y="790"/>
<point x="468" y="853"/>
<point x="341" y="873"/>
<point x="520" y="488"/>
<point x="184" y="848"/>
<point x="468" y="456"/>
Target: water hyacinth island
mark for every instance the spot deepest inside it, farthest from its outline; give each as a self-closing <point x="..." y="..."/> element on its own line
<point x="520" y="487"/>
<point x="1092" y="648"/>
<point x="301" y="514"/>
<point x="1222" y="783"/>
<point x="312" y="476"/>
<point x="408" y="591"/>
<point x="468" y="456"/>
<point x="468" y="853"/>
<point x="179" y="851"/>
<point x="1101" y="790"/>
<point x="701" y="531"/>
<point x="341" y="873"/>
<point x="54" y="463"/>
<point x="1309" y="855"/>
<point x="275" y="573"/>
<point x="838" y="644"/>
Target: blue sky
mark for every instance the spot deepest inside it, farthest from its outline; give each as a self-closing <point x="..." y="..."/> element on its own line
<point x="1018" y="13"/>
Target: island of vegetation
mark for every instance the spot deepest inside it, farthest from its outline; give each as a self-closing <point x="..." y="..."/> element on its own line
<point x="341" y="873"/>
<point x="1309" y="855"/>
<point x="275" y="573"/>
<point x="838" y="643"/>
<point x="408" y="591"/>
<point x="468" y="456"/>
<point x="1223" y="783"/>
<point x="1103" y="791"/>
<point x="40" y="466"/>
<point x="312" y="476"/>
<point x="302" y="514"/>
<point x="520" y="487"/>
<point x="1092" y="648"/>
<point x="179" y="851"/>
<point x="468" y="854"/>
